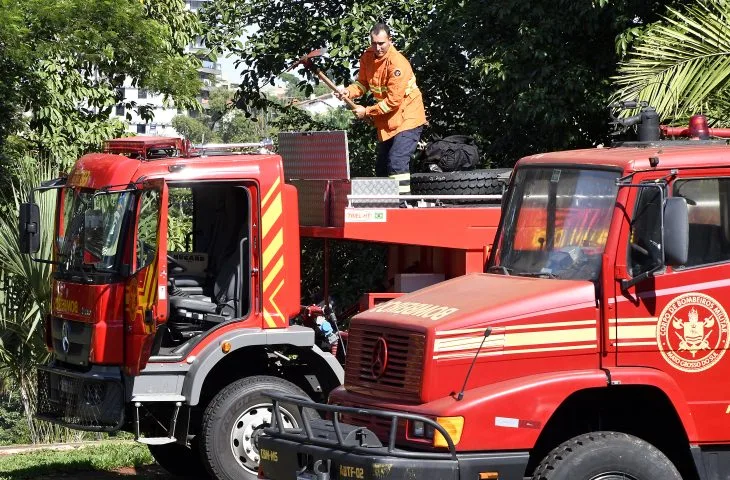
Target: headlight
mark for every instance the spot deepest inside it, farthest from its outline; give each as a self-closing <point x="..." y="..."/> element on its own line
<point x="418" y="429"/>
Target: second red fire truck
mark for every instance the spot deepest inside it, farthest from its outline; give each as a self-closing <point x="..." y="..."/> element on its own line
<point x="593" y="347"/>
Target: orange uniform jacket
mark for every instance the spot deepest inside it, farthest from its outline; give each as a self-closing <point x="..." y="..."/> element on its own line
<point x="390" y="78"/>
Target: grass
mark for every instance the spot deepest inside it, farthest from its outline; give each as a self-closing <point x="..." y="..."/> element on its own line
<point x="106" y="456"/>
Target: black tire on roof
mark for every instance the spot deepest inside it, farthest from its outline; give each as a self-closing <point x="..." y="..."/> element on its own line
<point x="473" y="182"/>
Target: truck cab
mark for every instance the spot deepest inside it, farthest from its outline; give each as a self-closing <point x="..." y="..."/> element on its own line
<point x="592" y="347"/>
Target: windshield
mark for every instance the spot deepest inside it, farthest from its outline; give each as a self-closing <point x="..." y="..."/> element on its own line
<point x="556" y="223"/>
<point x="90" y="230"/>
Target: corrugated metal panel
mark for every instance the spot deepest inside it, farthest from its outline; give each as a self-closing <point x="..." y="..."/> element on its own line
<point x="315" y="155"/>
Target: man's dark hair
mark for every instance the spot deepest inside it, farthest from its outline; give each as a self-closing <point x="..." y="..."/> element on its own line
<point x="380" y="27"/>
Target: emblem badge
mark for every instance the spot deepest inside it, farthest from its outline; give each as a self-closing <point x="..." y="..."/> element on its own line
<point x="380" y="359"/>
<point x="396" y="73"/>
<point x="693" y="332"/>
<point x="65" y="343"/>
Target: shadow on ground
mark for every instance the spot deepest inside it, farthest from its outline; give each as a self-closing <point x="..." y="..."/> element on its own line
<point x="80" y="471"/>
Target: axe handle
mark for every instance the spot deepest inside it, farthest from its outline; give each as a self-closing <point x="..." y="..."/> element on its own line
<point x="333" y="87"/>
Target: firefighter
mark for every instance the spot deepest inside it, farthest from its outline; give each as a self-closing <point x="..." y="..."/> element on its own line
<point x="398" y="114"/>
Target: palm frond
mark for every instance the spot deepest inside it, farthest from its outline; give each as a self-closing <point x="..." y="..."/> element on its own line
<point x="682" y="64"/>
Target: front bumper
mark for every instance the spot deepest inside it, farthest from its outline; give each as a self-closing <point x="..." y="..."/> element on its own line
<point x="92" y="400"/>
<point x="328" y="450"/>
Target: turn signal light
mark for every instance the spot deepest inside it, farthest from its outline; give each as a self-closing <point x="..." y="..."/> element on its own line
<point x="453" y="426"/>
<point x="226" y="347"/>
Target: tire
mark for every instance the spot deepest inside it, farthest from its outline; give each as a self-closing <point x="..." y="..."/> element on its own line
<point x="179" y="460"/>
<point x="606" y="456"/>
<point x="233" y="420"/>
<point x="473" y="182"/>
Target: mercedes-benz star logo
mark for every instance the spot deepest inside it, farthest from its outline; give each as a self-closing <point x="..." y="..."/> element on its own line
<point x="65" y="344"/>
<point x="380" y="359"/>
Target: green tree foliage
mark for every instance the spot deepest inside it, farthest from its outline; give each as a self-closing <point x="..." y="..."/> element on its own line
<point x="26" y="289"/>
<point x="521" y="77"/>
<point x="194" y="129"/>
<point x="62" y="62"/>
<point x="681" y="64"/>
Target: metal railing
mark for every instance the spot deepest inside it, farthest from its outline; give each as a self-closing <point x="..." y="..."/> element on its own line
<point x="265" y="146"/>
<point x="347" y="442"/>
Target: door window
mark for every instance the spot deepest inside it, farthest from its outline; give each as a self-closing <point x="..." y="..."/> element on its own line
<point x="709" y="225"/>
<point x="149" y="219"/>
<point x="646" y="232"/>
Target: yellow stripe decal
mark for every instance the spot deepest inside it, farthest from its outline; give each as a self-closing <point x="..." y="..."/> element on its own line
<point x="634" y="332"/>
<point x="613" y="321"/>
<point x="276" y="243"/>
<point x="555" y="336"/>
<point x="269" y="321"/>
<point x="509" y="352"/>
<point x="270" y="275"/>
<point x="271" y="191"/>
<point x="273" y="295"/>
<point x="532" y="326"/>
<point x="384" y="106"/>
<point x="270" y="216"/>
<point x="519" y="339"/>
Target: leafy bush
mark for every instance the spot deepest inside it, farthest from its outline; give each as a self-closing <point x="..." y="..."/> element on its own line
<point x="13" y="424"/>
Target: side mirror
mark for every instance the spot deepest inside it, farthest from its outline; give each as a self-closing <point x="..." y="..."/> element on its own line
<point x="676" y="231"/>
<point x="29" y="228"/>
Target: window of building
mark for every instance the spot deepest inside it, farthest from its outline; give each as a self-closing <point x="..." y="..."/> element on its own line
<point x="141" y="128"/>
<point x="119" y="110"/>
<point x="142" y="93"/>
<point x="120" y="94"/>
<point x="708" y="202"/>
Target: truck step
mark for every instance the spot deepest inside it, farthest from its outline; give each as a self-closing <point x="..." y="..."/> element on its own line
<point x="156" y="440"/>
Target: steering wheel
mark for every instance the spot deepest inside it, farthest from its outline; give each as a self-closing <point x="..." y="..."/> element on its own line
<point x="174" y="266"/>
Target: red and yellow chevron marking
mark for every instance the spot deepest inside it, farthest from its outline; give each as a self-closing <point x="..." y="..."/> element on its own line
<point x="272" y="261"/>
<point x="517" y="339"/>
<point x="146" y="294"/>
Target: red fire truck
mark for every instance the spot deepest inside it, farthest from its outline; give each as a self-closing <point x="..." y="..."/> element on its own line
<point x="176" y="286"/>
<point x="592" y="348"/>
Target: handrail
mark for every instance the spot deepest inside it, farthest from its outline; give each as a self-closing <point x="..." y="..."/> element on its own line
<point x="277" y="429"/>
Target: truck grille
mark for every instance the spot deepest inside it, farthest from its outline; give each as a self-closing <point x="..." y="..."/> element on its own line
<point x="400" y="377"/>
<point x="79" y="401"/>
<point x="72" y="342"/>
<point x="380" y="426"/>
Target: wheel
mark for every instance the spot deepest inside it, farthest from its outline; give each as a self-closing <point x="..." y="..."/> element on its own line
<point x="606" y="456"/>
<point x="179" y="460"/>
<point x="233" y="421"/>
<point x="473" y="182"/>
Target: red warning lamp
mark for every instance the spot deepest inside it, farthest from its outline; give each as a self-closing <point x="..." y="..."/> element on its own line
<point x="698" y="128"/>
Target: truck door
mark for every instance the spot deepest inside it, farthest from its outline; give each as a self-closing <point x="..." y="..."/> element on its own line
<point x="677" y="320"/>
<point x="146" y="295"/>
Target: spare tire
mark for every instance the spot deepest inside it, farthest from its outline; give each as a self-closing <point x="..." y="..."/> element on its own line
<point x="473" y="182"/>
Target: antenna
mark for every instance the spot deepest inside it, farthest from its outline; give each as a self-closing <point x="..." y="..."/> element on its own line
<point x="487" y="333"/>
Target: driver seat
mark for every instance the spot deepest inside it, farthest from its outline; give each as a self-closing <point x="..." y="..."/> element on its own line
<point x="190" y="315"/>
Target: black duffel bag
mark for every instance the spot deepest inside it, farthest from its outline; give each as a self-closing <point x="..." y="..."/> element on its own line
<point x="454" y="153"/>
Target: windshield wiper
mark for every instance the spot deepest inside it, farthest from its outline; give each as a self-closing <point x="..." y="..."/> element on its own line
<point x="499" y="268"/>
<point x="537" y="274"/>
